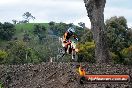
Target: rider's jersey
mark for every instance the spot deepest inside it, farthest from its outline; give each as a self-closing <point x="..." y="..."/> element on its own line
<point x="67" y="36"/>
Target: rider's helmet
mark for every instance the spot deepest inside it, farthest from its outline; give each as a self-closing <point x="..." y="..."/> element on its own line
<point x="71" y="30"/>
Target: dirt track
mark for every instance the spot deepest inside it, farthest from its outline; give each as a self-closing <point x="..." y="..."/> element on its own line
<point x="57" y="75"/>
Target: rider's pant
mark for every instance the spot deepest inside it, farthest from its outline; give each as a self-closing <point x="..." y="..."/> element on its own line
<point x="66" y="45"/>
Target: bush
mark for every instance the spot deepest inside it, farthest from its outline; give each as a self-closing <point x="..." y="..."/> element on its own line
<point x="3" y="56"/>
<point x="87" y="36"/>
<point x="86" y="52"/>
<point x="7" y="30"/>
<point x="115" y="57"/>
<point x="19" y="53"/>
<point x="127" y="55"/>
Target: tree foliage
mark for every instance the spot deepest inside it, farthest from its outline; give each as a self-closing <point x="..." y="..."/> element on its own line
<point x="119" y="36"/>
<point x="87" y="36"/>
<point x="19" y="53"/>
<point x="117" y="32"/>
<point x="40" y="31"/>
<point x="14" y="21"/>
<point x="127" y="55"/>
<point x="3" y="56"/>
<point x="28" y="16"/>
<point x="7" y="30"/>
<point x="81" y="24"/>
<point x="58" y="28"/>
<point x="86" y="52"/>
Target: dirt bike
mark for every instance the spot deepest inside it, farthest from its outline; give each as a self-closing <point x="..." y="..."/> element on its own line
<point x="70" y="50"/>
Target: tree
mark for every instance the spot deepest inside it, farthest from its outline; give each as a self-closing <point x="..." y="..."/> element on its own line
<point x="58" y="29"/>
<point x="86" y="52"/>
<point x="81" y="24"/>
<point x="26" y="37"/>
<point x="51" y="23"/>
<point x="20" y="53"/>
<point x="127" y="54"/>
<point x="23" y="21"/>
<point x="87" y="36"/>
<point x="14" y="21"/>
<point x="40" y="31"/>
<point x="28" y="16"/>
<point x="95" y="10"/>
<point x="7" y="30"/>
<point x="117" y="32"/>
<point x="119" y="36"/>
<point x="129" y="33"/>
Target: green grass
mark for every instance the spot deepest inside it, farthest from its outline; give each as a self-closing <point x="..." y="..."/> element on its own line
<point x="28" y="26"/>
<point x="22" y="28"/>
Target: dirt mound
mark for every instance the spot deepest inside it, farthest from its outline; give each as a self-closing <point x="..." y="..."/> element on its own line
<point x="57" y="75"/>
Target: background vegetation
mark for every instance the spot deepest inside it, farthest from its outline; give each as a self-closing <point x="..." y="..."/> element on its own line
<point x="22" y="43"/>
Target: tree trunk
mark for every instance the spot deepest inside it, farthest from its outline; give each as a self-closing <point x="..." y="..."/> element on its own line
<point x="95" y="10"/>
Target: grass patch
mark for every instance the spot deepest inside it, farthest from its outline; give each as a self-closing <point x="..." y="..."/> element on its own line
<point x="28" y="26"/>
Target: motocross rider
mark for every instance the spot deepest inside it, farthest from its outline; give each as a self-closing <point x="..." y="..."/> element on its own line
<point x="68" y="34"/>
